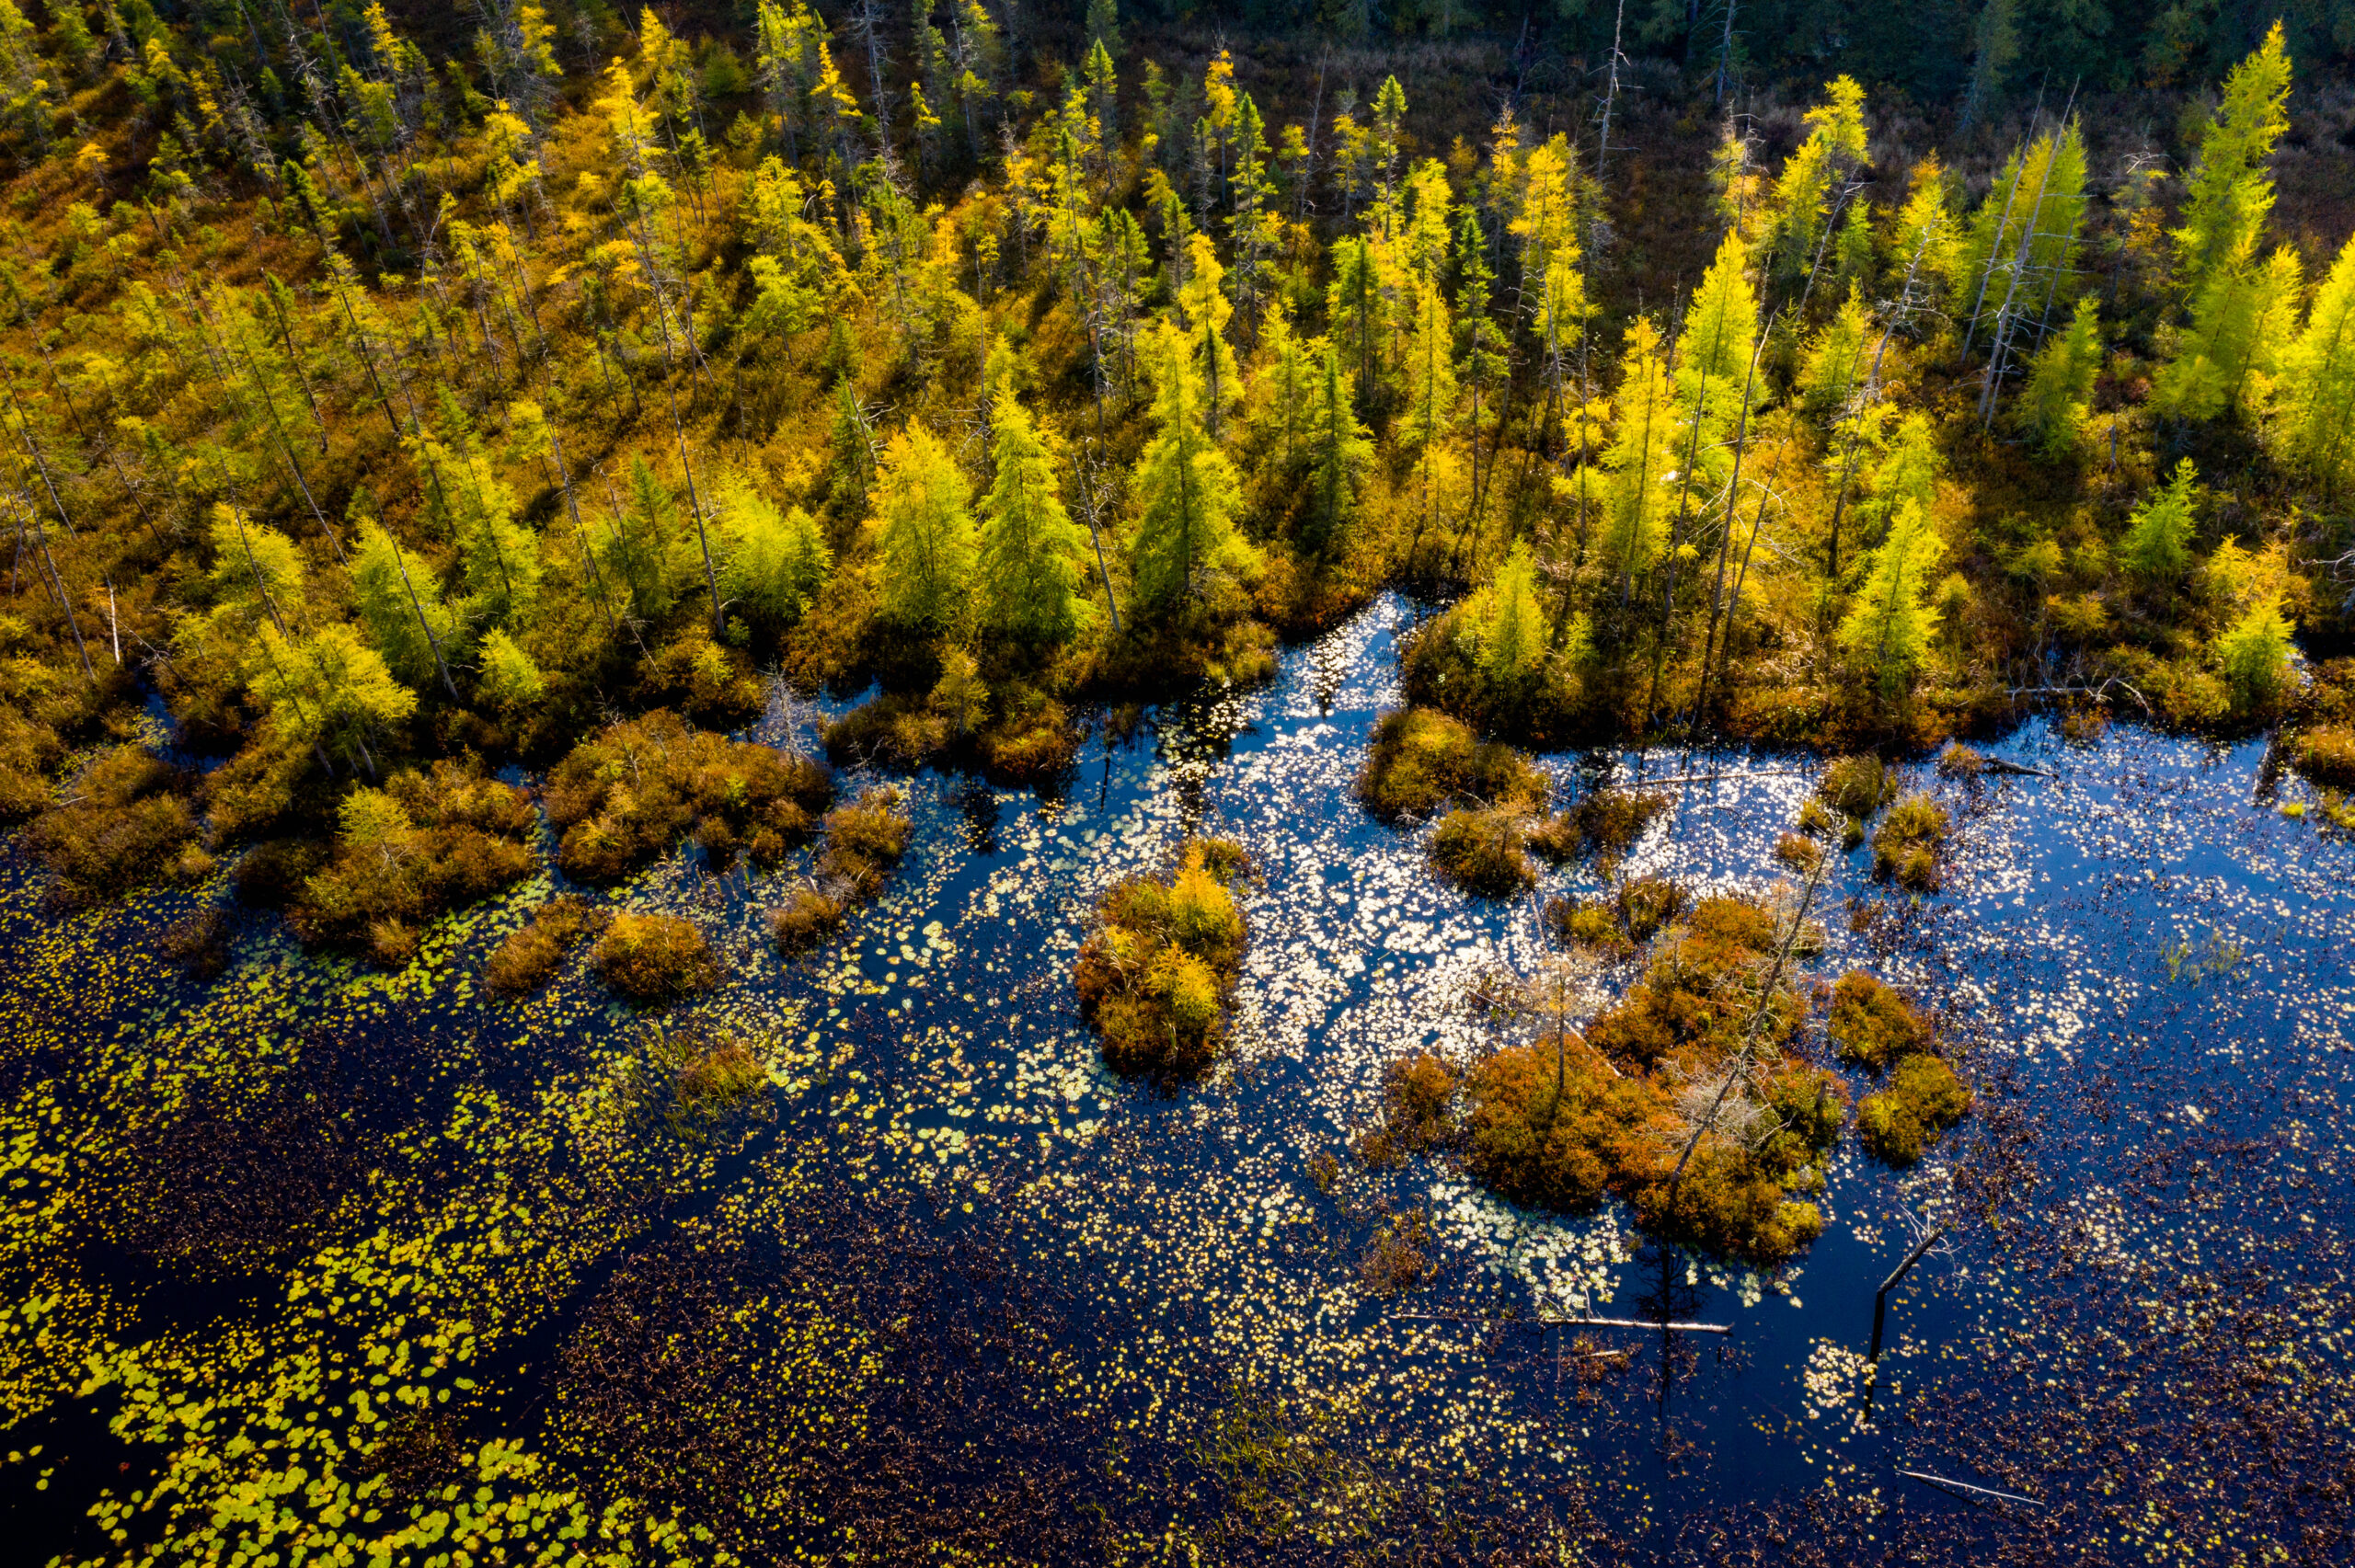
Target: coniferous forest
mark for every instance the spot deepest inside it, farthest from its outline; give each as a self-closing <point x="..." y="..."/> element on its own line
<point x="583" y="582"/>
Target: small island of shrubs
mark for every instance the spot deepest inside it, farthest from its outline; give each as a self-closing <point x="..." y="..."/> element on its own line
<point x="628" y="793"/>
<point x="1877" y="1030"/>
<point x="1156" y="977"/>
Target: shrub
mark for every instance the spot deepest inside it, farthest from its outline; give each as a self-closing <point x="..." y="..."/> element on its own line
<point x="1699" y="991"/>
<point x="1155" y="975"/>
<point x="1907" y="844"/>
<point x="1924" y="1098"/>
<point x="1481" y="852"/>
<point x="29" y="749"/>
<point x="1033" y="739"/>
<point x="1562" y="1151"/>
<point x="123" y="821"/>
<point x="1856" y="786"/>
<point x="865" y="840"/>
<point x="198" y="944"/>
<point x="628" y="793"/>
<point x="422" y="845"/>
<point x="711" y="685"/>
<point x="528" y="959"/>
<point x="1872" y="1024"/>
<point x="1615" y="926"/>
<point x="2325" y="753"/>
<point x="1419" y="761"/>
<point x="653" y="959"/>
<point x="1606" y="823"/>
<point x="272" y="873"/>
<point x="809" y="917"/>
<point x="1417" y="1110"/>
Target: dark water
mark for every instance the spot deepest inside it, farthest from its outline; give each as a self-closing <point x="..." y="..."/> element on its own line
<point x="2136" y="1317"/>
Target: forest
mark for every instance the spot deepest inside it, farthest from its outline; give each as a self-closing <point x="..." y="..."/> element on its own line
<point x="437" y="441"/>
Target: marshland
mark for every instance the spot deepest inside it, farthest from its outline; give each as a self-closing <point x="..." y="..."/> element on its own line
<point x="953" y="785"/>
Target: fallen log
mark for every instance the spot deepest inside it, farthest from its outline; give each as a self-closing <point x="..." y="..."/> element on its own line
<point x="1966" y="1486"/>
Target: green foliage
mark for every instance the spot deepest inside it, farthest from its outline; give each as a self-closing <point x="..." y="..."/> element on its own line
<point x="2060" y="382"/>
<point x="645" y="550"/>
<point x="2242" y="320"/>
<point x="1909" y="845"/>
<point x="1419" y="761"/>
<point x="924" y="552"/>
<point x="401" y="604"/>
<point x="2229" y="193"/>
<point x="2156" y="546"/>
<point x="775" y="562"/>
<point x="1155" y="976"/>
<point x="509" y="679"/>
<point x="1033" y="557"/>
<point x="2254" y="653"/>
<point x="1636" y="494"/>
<point x="1339" y="448"/>
<point x="1187" y="495"/>
<point x="2319" y="381"/>
<point x="1888" y="630"/>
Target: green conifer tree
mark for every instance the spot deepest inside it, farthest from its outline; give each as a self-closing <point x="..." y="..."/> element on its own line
<point x="1339" y="450"/>
<point x="923" y="503"/>
<point x="2319" y="375"/>
<point x="1635" y="493"/>
<point x="774" y="560"/>
<point x="1033" y="557"/>
<point x="2156" y="546"/>
<point x="2061" y="382"/>
<point x="1888" y="630"/>
<point x="401" y="604"/>
<point x="645" y="551"/>
<point x="1187" y="492"/>
<point x="2230" y="192"/>
<point x="1513" y="633"/>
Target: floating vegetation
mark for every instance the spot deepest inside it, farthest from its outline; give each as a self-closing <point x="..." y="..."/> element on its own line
<point x="1156" y="976"/>
<point x="653" y="959"/>
<point x="1418" y="1111"/>
<point x="528" y="959"/>
<point x="629" y="791"/>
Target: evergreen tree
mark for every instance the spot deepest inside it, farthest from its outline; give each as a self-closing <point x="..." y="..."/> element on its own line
<point x="1906" y="475"/>
<point x="256" y="571"/>
<point x="1339" y="449"/>
<point x="1033" y="557"/>
<point x="401" y="604"/>
<point x="1803" y="193"/>
<point x="923" y="503"/>
<point x="1888" y="630"/>
<point x="1635" y="495"/>
<point x="1835" y="360"/>
<point x="1205" y="311"/>
<point x="1187" y="491"/>
<point x="2061" y="382"/>
<point x="1510" y="626"/>
<point x="509" y="676"/>
<point x="2156" y="546"/>
<point x="327" y="689"/>
<point x="774" y="560"/>
<point x="2254" y="653"/>
<point x="1353" y="306"/>
<point x="645" y="551"/>
<point x="2241" y="326"/>
<point x="2230" y="193"/>
<point x="2318" y="376"/>
<point x="1280" y="393"/>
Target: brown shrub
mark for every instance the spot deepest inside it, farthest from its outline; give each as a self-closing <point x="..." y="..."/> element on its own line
<point x="865" y="840"/>
<point x="653" y="959"/>
<point x="1481" y="852"/>
<point x="808" y="918"/>
<point x="1155" y="977"/>
<point x="1699" y="991"/>
<point x="1872" y="1024"/>
<point x="528" y="959"/>
<point x="405" y="854"/>
<point x="628" y="793"/>
<point x="2325" y="753"/>
<point x="125" y="819"/>
<point x="1908" y="844"/>
<point x="1924" y="1098"/>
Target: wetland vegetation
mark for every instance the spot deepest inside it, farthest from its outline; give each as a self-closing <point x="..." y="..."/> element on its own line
<point x="991" y="783"/>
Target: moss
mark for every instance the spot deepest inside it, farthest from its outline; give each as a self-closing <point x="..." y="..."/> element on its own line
<point x="424" y="844"/>
<point x="1922" y="1100"/>
<point x="808" y="918"/>
<point x="1420" y="761"/>
<point x="631" y="791"/>
<point x="1907" y="846"/>
<point x="1872" y="1024"/>
<point x="1155" y="976"/>
<point x="528" y="959"/>
<point x="864" y="841"/>
<point x="124" y="820"/>
<point x="653" y="959"/>
<point x="1482" y="853"/>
